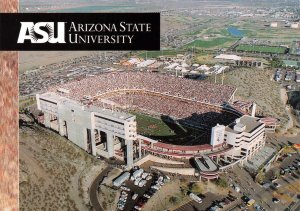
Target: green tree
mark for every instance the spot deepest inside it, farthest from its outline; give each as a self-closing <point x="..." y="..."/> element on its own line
<point x="173" y="199"/>
<point x="195" y="188"/>
<point x="222" y="183"/>
<point x="276" y="63"/>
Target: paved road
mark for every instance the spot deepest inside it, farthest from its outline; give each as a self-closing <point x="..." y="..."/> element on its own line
<point x="94" y="190"/>
<point x="206" y="203"/>
<point x="253" y="190"/>
<point x="296" y="207"/>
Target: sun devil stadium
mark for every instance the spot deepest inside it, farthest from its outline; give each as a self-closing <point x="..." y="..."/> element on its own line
<point x="100" y="115"/>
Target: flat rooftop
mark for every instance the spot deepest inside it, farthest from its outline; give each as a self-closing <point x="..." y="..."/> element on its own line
<point x="206" y="164"/>
<point x="250" y="122"/>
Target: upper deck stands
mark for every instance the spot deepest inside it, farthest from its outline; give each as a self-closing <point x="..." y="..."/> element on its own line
<point x="191" y="89"/>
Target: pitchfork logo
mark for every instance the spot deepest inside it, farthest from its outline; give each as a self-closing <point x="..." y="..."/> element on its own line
<point x="42" y="32"/>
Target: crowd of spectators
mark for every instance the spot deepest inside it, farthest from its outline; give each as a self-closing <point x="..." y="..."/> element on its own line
<point x="195" y="113"/>
<point x="181" y="87"/>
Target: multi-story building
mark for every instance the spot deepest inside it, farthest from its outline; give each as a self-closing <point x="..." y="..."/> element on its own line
<point x="246" y="136"/>
<point x="96" y="130"/>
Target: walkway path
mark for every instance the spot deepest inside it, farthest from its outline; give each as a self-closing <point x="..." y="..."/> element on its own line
<point x="94" y="190"/>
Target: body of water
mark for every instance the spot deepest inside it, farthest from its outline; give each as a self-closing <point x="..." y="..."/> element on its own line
<point x="235" y="32"/>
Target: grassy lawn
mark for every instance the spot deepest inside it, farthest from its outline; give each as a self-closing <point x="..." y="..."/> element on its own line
<point x="205" y="59"/>
<point x="155" y="54"/>
<point x="26" y="102"/>
<point x="167" y="132"/>
<point x="150" y="126"/>
<point x="209" y="43"/>
<point x="261" y="48"/>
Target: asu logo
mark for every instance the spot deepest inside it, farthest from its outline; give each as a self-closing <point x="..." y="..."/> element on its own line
<point x="42" y="32"/>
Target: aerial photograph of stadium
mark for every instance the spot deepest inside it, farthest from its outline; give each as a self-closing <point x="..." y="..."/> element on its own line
<point x="209" y="122"/>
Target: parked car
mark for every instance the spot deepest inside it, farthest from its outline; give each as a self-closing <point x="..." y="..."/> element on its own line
<point x="137" y="208"/>
<point x="250" y="202"/>
<point x="292" y="168"/>
<point x="134" y="196"/>
<point x="245" y="198"/>
<point x="266" y="185"/>
<point x="155" y="187"/>
<point x="124" y="188"/>
<point x="146" y="196"/>
<point x="237" y="188"/>
<point x="137" y="181"/>
<point x="275" y="200"/>
<point x="142" y="183"/>
<point x="257" y="207"/>
<point x="144" y="175"/>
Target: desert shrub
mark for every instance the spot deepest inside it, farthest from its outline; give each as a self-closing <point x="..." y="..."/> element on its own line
<point x="222" y="183"/>
<point x="173" y="200"/>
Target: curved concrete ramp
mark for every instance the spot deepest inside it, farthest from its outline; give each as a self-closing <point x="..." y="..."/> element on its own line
<point x="157" y="160"/>
<point x="182" y="171"/>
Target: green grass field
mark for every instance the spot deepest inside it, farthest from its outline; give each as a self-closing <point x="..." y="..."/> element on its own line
<point x="150" y="126"/>
<point x="155" y="54"/>
<point x="210" y="43"/>
<point x="167" y="132"/>
<point x="260" y="48"/>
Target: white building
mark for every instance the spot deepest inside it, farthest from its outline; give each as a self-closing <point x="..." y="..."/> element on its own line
<point x="246" y="135"/>
<point x="295" y="25"/>
<point x="146" y="63"/>
<point x="239" y="61"/>
<point x="217" y="135"/>
<point x="228" y="57"/>
<point x="98" y="131"/>
<point x="274" y="25"/>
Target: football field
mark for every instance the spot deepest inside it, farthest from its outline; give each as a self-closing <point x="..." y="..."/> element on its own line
<point x="167" y="131"/>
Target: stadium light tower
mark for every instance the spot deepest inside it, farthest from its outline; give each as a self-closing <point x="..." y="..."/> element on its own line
<point x="215" y="78"/>
<point x="223" y="77"/>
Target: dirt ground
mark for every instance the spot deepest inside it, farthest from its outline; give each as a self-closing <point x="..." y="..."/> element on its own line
<point x="257" y="85"/>
<point x="35" y="59"/>
<point x="51" y="170"/>
<point x="161" y="199"/>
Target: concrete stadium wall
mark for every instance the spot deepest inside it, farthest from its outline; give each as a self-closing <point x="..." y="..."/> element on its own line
<point x="78" y="121"/>
<point x="156" y="160"/>
<point x="182" y="171"/>
<point x="102" y="153"/>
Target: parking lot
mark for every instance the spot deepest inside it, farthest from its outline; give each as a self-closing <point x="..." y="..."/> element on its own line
<point x="136" y="191"/>
<point x="285" y="76"/>
<point x="210" y="201"/>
